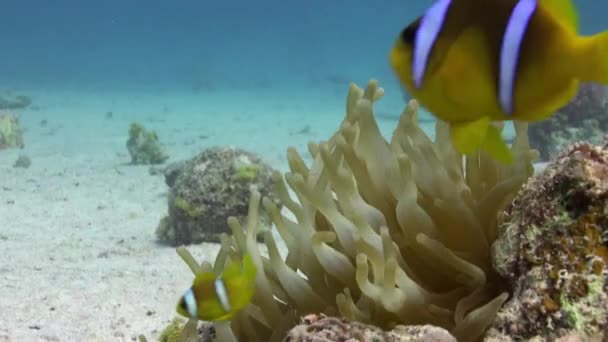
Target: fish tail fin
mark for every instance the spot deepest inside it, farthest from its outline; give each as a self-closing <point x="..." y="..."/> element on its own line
<point x="594" y="58"/>
<point x="602" y="42"/>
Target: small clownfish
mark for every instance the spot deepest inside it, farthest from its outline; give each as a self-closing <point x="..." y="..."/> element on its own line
<point x="219" y="298"/>
<point x="470" y="62"/>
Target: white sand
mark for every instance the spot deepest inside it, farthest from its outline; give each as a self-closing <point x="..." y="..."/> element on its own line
<point x="78" y="256"/>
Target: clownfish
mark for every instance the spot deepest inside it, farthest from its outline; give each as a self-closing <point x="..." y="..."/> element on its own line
<point x="219" y="298"/>
<point x="471" y="62"/>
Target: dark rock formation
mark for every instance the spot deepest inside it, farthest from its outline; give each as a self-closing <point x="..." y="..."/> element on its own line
<point x="144" y="146"/>
<point x="11" y="135"/>
<point x="207" y="189"/>
<point x="553" y="251"/>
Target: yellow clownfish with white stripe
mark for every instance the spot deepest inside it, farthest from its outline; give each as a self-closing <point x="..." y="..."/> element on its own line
<point x="219" y="298"/>
<point x="470" y="62"/>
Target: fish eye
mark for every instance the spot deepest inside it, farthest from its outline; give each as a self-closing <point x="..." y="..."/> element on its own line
<point x="408" y="35"/>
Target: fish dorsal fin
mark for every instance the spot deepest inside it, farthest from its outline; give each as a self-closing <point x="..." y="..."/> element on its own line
<point x="562" y="10"/>
<point x="240" y="269"/>
<point x="249" y="270"/>
<point x="240" y="281"/>
<point x="204" y="278"/>
<point x="232" y="270"/>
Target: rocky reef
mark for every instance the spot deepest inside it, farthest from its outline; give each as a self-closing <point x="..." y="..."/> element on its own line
<point x="144" y="146"/>
<point x="11" y="135"/>
<point x="209" y="188"/>
<point x="584" y="119"/>
<point x="553" y="251"/>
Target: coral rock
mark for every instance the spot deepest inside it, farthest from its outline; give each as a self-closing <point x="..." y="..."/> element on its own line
<point x="11" y="135"/>
<point x="144" y="146"/>
<point x="209" y="188"/>
<point x="553" y="250"/>
<point x="22" y="161"/>
<point x="320" y="328"/>
<point x="12" y="102"/>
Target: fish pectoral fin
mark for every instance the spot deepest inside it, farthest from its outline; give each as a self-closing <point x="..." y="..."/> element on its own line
<point x="466" y="72"/>
<point x="496" y="146"/>
<point x="468" y="136"/>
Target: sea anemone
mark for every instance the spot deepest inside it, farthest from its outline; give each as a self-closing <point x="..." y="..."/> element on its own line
<point x="382" y="232"/>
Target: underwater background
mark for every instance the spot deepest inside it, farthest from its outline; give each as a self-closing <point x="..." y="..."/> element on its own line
<point x="203" y="60"/>
<point x="80" y="257"/>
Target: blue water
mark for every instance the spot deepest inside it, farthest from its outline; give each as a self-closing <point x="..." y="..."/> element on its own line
<point x="197" y="44"/>
<point x="294" y="55"/>
<point x="208" y="44"/>
<point x="282" y="49"/>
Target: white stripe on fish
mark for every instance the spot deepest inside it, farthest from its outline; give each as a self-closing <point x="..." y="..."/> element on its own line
<point x="191" y="305"/>
<point x="509" y="53"/>
<point x="426" y="35"/>
<point x="222" y="294"/>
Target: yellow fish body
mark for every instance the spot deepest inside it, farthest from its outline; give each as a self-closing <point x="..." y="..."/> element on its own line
<point x="219" y="298"/>
<point x="470" y="62"/>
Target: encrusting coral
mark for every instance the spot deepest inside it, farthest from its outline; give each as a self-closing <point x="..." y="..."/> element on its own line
<point x="11" y="134"/>
<point x="385" y="232"/>
<point x="552" y="250"/>
<point x="320" y="328"/>
<point x="207" y="189"/>
<point x="144" y="146"/>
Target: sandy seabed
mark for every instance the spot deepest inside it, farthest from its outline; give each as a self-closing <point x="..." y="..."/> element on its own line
<point x="79" y="260"/>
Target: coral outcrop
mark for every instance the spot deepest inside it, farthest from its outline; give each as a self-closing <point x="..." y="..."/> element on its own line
<point x="11" y="135"/>
<point x="585" y="118"/>
<point x="144" y="146"/>
<point x="209" y="188"/>
<point x="173" y="331"/>
<point x="386" y="233"/>
<point x="23" y="161"/>
<point x="553" y="251"/>
<point x="321" y="328"/>
<point x="10" y="101"/>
